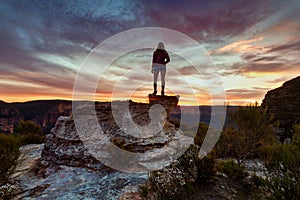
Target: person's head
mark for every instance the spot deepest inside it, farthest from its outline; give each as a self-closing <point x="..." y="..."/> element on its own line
<point x="161" y="46"/>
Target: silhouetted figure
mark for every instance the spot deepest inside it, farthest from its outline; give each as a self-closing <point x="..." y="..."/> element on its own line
<point x="159" y="61"/>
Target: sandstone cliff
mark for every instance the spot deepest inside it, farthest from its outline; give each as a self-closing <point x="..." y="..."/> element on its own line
<point x="10" y="116"/>
<point x="284" y="103"/>
<point x="43" y="112"/>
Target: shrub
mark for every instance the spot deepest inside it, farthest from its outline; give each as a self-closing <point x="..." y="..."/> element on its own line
<point x="205" y="169"/>
<point x="257" y="181"/>
<point x="9" y="151"/>
<point x="251" y="129"/>
<point x="233" y="170"/>
<point x="296" y="135"/>
<point x="144" y="190"/>
<point x="283" y="171"/>
<point x="177" y="181"/>
<point x="29" y="132"/>
<point x="283" y="168"/>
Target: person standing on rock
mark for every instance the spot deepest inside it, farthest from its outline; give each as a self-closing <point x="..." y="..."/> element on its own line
<point x="159" y="61"/>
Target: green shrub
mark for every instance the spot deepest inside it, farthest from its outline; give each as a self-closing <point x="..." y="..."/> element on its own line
<point x="29" y="132"/>
<point x="179" y="179"/>
<point x="205" y="169"/>
<point x="144" y="190"/>
<point x="283" y="167"/>
<point x="257" y="181"/>
<point x="251" y="129"/>
<point x="233" y="170"/>
<point x="296" y="135"/>
<point x="9" y="151"/>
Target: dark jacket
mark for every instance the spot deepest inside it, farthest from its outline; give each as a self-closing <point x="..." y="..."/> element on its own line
<point x="160" y="56"/>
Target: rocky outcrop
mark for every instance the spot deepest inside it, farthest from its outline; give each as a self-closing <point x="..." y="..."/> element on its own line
<point x="64" y="146"/>
<point x="168" y="102"/>
<point x="65" y="182"/>
<point x="68" y="168"/>
<point x="283" y="103"/>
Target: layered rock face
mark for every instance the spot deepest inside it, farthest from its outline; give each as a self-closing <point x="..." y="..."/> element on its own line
<point x="284" y="103"/>
<point x="45" y="112"/>
<point x="87" y="165"/>
<point x="121" y="134"/>
<point x="9" y="117"/>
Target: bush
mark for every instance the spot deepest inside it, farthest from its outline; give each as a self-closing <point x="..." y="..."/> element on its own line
<point x="283" y="171"/>
<point x="178" y="180"/>
<point x="296" y="135"/>
<point x="251" y="129"/>
<point x="144" y="190"/>
<point x="205" y="169"/>
<point x="9" y="151"/>
<point x="233" y="170"/>
<point x="29" y="132"/>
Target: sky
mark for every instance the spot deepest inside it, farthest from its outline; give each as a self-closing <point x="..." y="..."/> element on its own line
<point x="248" y="48"/>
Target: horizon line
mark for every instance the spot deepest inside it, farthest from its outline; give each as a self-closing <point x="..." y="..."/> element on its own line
<point x="71" y="100"/>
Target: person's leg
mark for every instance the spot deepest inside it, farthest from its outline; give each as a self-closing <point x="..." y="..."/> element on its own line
<point x="155" y="74"/>
<point x="163" y="74"/>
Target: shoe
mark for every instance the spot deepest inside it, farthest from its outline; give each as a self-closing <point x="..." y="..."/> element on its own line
<point x="155" y="89"/>
<point x="162" y="90"/>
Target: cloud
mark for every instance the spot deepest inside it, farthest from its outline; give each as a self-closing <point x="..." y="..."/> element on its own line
<point x="188" y="70"/>
<point x="42" y="43"/>
<point x="292" y="46"/>
<point x="278" y="80"/>
<point x="245" y="94"/>
<point x="267" y="58"/>
<point x="208" y="20"/>
<point x="248" y="56"/>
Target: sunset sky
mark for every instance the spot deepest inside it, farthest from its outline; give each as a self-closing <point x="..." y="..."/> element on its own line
<point x="255" y="46"/>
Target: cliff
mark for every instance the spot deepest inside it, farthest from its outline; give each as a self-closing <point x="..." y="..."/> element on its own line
<point x="10" y="116"/>
<point x="42" y="112"/>
<point x="283" y="103"/>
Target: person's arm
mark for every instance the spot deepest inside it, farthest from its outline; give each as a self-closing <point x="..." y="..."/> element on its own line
<point x="167" y="57"/>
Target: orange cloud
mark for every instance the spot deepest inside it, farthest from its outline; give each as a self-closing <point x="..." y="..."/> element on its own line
<point x="241" y="46"/>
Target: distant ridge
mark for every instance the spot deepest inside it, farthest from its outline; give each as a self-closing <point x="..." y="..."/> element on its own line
<point x="46" y="112"/>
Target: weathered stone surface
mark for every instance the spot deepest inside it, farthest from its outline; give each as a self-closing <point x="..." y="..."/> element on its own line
<point x="64" y="147"/>
<point x="29" y="156"/>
